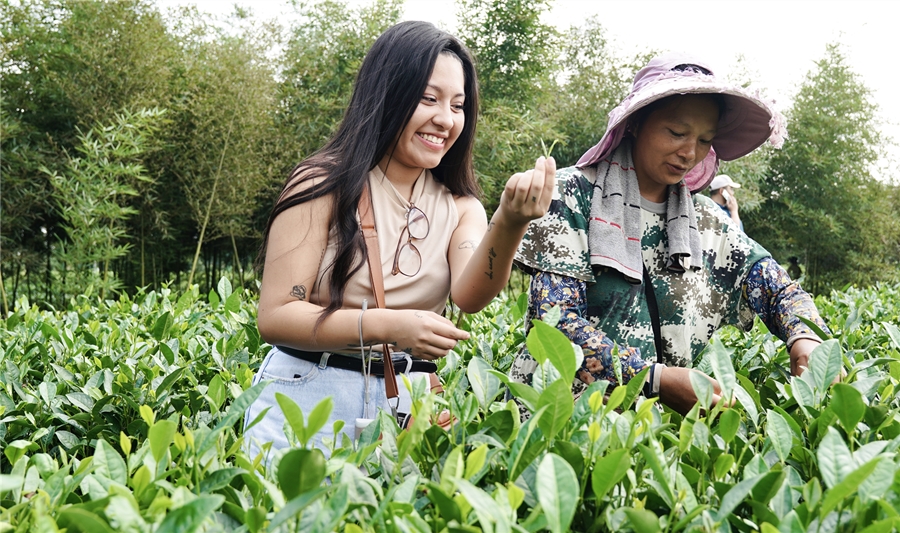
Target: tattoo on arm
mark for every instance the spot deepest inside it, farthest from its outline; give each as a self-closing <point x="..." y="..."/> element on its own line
<point x="467" y="244"/>
<point x="491" y="225"/>
<point x="491" y="255"/>
<point x="299" y="292"/>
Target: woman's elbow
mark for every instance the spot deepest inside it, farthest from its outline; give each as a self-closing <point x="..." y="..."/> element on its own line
<point x="266" y="325"/>
<point x="471" y="303"/>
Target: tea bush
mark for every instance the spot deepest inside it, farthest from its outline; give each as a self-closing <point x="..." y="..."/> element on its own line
<point x="127" y="415"/>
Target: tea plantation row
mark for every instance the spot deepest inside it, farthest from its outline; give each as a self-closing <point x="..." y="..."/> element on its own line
<point x="127" y="416"/>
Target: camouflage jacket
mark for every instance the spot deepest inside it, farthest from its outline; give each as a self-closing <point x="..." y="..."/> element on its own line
<point x="692" y="304"/>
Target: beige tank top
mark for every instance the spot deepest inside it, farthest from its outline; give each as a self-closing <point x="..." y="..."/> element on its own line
<point x="427" y="290"/>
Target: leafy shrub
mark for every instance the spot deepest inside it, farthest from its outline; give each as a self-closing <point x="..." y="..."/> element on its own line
<point x="126" y="415"/>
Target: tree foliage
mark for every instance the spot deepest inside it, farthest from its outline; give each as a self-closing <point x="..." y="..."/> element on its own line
<point x="245" y="101"/>
<point x="821" y="201"/>
<point x="92" y="196"/>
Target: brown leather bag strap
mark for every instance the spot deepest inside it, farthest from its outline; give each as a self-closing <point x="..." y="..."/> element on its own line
<point x="367" y="219"/>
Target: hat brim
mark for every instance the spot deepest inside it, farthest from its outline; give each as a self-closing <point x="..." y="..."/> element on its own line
<point x="745" y="124"/>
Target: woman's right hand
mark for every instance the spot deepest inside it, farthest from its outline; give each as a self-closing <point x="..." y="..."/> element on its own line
<point x="422" y="334"/>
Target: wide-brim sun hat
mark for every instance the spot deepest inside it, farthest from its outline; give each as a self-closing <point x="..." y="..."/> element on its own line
<point x="747" y="121"/>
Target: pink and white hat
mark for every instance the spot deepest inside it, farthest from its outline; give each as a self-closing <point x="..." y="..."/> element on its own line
<point x="746" y="123"/>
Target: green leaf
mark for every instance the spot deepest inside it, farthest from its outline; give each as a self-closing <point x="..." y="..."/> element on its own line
<point x="835" y="460"/>
<point x="162" y="325"/>
<point x="768" y="486"/>
<point x="780" y="434"/>
<point x="723" y="370"/>
<point x="224" y="288"/>
<point x="485" y="507"/>
<point x="616" y="397"/>
<point x="803" y="392"/>
<point x="318" y="417"/>
<point x="502" y="422"/>
<point x="16" y="449"/>
<point x="634" y="387"/>
<point x="571" y="452"/>
<point x="77" y="520"/>
<point x="814" y="327"/>
<point x="300" y="471"/>
<point x="703" y="388"/>
<point x="169" y="380"/>
<point x="81" y="400"/>
<point x="546" y="342"/>
<point x="893" y="332"/>
<point x="190" y="517"/>
<point x="608" y="471"/>
<point x="454" y="467"/>
<point x="642" y="520"/>
<point x="233" y="302"/>
<point x="735" y="496"/>
<point x="161" y="436"/>
<point x="484" y="383"/>
<point x="557" y="491"/>
<point x="552" y="316"/>
<point x="846" y="487"/>
<point x="216" y="392"/>
<point x="723" y="465"/>
<point x="526" y="394"/>
<point x="235" y="413"/>
<point x="559" y="404"/>
<point x="877" y="485"/>
<point x="296" y="506"/>
<point x="293" y="414"/>
<point x="656" y="466"/>
<point x="528" y="445"/>
<point x="219" y="479"/>
<point x="447" y="508"/>
<point x="795" y="427"/>
<point x="475" y="461"/>
<point x="883" y="526"/>
<point x="825" y="363"/>
<point x="729" y="422"/>
<point x="10" y="482"/>
<point x="847" y="403"/>
<point x="108" y="463"/>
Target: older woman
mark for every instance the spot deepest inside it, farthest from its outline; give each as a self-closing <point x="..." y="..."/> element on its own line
<point x="632" y="257"/>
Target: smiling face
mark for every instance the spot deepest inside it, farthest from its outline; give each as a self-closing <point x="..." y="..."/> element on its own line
<point x="671" y="140"/>
<point x="434" y="126"/>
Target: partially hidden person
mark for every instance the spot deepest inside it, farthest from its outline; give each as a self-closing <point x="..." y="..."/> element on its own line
<point x="635" y="259"/>
<point x="403" y="151"/>
<point x="722" y="191"/>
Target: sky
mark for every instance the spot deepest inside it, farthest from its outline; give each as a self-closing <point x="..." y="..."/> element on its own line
<point x="780" y="40"/>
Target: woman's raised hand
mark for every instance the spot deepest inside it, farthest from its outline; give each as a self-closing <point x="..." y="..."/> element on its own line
<point x="423" y="334"/>
<point x="527" y="195"/>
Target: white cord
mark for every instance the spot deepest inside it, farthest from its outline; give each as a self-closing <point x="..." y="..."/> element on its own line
<point x="366" y="365"/>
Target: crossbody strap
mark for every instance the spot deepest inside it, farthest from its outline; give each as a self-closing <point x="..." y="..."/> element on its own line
<point x="654" y="315"/>
<point x="367" y="218"/>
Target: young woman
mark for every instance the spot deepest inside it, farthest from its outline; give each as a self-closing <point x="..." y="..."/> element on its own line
<point x="406" y="139"/>
<point x="624" y="220"/>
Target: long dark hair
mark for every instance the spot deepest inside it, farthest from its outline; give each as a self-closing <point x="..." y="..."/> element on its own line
<point x="388" y="88"/>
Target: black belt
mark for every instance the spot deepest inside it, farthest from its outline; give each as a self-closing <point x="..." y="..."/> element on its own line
<point x="354" y="363"/>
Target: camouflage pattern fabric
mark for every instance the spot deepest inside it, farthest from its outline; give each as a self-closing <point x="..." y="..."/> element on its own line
<point x="692" y="304"/>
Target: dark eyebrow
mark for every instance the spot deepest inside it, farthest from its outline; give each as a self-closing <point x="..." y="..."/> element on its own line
<point x="440" y="90"/>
